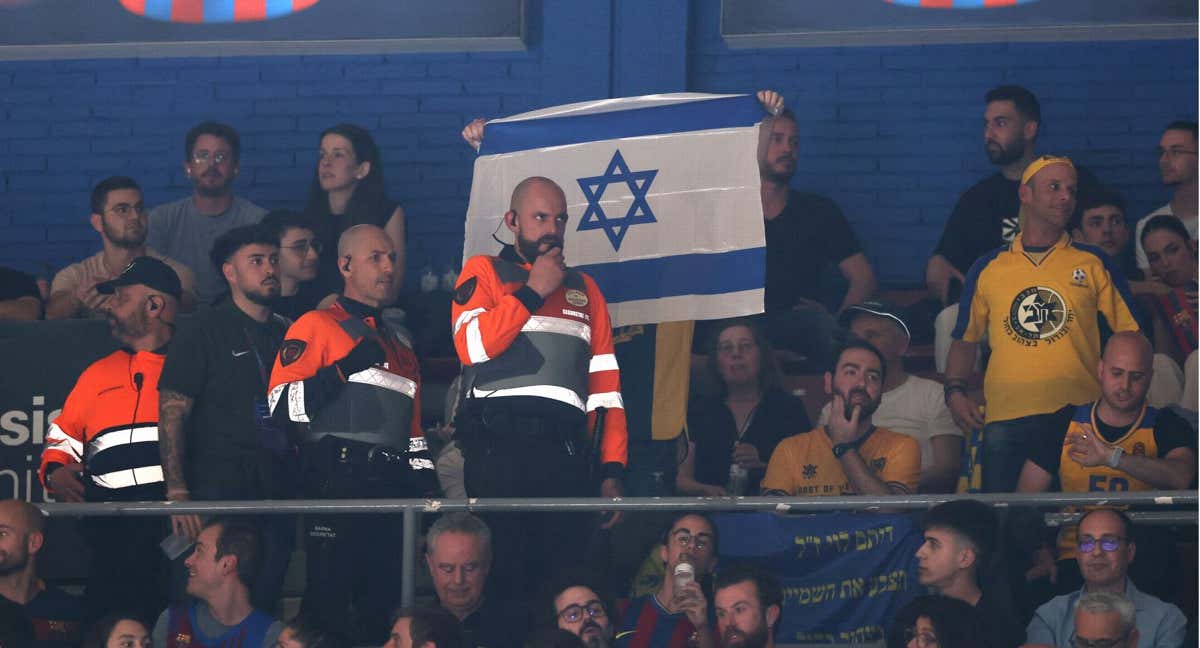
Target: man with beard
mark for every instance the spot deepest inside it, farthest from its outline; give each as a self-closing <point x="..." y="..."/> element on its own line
<point x="299" y="252"/>
<point x="1177" y="150"/>
<point x="187" y="228"/>
<point x="354" y="380"/>
<point x="120" y="218"/>
<point x="805" y="233"/>
<point x="578" y="609"/>
<point x="103" y="447"/>
<point x="848" y="455"/>
<point x="539" y="373"/>
<point x="1115" y="444"/>
<point x="56" y="615"/>
<point x="986" y="215"/>
<point x="1038" y="301"/>
<point x="217" y="439"/>
<point x="1106" y="548"/>
<point x="749" y="602"/>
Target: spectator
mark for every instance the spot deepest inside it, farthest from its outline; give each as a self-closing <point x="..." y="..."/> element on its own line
<point x="220" y="572"/>
<point x="986" y="215"/>
<point x="911" y="405"/>
<point x="351" y="385"/>
<point x="1177" y="164"/>
<point x="347" y="190"/>
<point x="958" y="554"/>
<point x="20" y="299"/>
<point x="1101" y="222"/>
<point x="736" y="426"/>
<point x="458" y="553"/>
<point x="675" y="617"/>
<point x="302" y="633"/>
<point x="16" y="630"/>
<point x="935" y="621"/>
<point x="103" y="446"/>
<point x="580" y="610"/>
<point x="1038" y="302"/>
<point x="217" y="439"/>
<point x="55" y="615"/>
<point x="186" y="229"/>
<point x="299" y="254"/>
<point x="749" y="603"/>
<point x="848" y="455"/>
<point x="117" y="631"/>
<point x="555" y="638"/>
<point x="804" y="232"/>
<point x="1105" y="619"/>
<point x="1105" y="550"/>
<point x="1115" y="444"/>
<point x="1172" y="256"/>
<point x="120" y="218"/>
<point x="426" y="628"/>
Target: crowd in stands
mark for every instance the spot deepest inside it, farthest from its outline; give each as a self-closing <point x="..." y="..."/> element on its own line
<point x="261" y="358"/>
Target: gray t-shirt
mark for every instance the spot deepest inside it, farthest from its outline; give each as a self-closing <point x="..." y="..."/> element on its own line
<point x="180" y="231"/>
<point x="209" y="627"/>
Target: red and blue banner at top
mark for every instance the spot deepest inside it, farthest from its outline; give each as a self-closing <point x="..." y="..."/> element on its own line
<point x="215" y="11"/>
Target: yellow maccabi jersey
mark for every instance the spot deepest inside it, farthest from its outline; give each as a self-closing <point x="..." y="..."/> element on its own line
<point x="1039" y="312"/>
<point x="803" y="464"/>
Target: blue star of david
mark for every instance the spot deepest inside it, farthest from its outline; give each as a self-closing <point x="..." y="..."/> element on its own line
<point x="639" y="211"/>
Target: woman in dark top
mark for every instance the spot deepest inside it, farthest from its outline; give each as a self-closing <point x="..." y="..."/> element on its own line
<point x="347" y="190"/>
<point x="739" y="416"/>
<point x="935" y="621"/>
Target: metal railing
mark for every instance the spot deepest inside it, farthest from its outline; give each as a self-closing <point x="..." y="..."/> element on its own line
<point x="412" y="509"/>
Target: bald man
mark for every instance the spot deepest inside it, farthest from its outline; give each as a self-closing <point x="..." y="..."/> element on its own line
<point x="1118" y="443"/>
<point x="56" y="615"/>
<point x="354" y="380"/>
<point x="535" y="341"/>
<point x="1037" y="301"/>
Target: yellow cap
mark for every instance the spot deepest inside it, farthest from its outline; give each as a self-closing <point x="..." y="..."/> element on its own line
<point x="1041" y="163"/>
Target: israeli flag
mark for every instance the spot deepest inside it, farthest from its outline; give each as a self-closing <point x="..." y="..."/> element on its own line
<point x="662" y="194"/>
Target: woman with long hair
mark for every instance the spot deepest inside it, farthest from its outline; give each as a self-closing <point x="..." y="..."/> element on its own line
<point x="740" y="416"/>
<point x="347" y="190"/>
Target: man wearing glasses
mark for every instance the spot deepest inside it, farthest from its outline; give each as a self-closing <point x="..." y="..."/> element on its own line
<point x="299" y="252"/>
<point x="120" y="218"/>
<point x="1106" y="548"/>
<point x="578" y="609"/>
<point x="187" y="228"/>
<point x="1177" y="164"/>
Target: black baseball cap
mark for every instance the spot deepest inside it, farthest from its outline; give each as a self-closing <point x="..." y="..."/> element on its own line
<point x="147" y="271"/>
<point x="877" y="308"/>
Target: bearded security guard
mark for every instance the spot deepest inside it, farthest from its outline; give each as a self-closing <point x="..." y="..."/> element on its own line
<point x="535" y="341"/>
<point x="355" y="384"/>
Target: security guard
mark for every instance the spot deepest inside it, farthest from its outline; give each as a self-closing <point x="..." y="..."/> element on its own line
<point x="355" y="382"/>
<point x="104" y="445"/>
<point x="536" y="344"/>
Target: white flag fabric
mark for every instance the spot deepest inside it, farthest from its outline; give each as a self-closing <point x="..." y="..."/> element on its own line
<point x="662" y="198"/>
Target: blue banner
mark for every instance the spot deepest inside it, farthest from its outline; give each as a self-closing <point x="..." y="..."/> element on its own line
<point x="844" y="575"/>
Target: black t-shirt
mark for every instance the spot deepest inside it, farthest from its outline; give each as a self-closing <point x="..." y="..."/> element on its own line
<point x="293" y="307"/>
<point x="494" y="625"/>
<point x="807" y="235"/>
<point x="1001" y="626"/>
<point x="1170" y="432"/>
<point x="15" y="284"/>
<point x="712" y="428"/>
<point x="222" y="360"/>
<point x="329" y="228"/>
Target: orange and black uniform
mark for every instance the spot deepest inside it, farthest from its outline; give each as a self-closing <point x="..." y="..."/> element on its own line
<point x="109" y="423"/>
<point x="360" y="438"/>
<point x="535" y="374"/>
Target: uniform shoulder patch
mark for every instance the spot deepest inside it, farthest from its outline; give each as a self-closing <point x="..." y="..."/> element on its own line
<point x="465" y="290"/>
<point x="290" y="351"/>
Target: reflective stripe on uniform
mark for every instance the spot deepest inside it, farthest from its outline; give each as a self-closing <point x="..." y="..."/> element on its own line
<point x="377" y="377"/>
<point x="603" y="362"/>
<point x="420" y="464"/>
<point x="468" y="316"/>
<point x="475" y="350"/>
<point x="544" y="324"/>
<point x="611" y="400"/>
<point x="560" y="394"/>
<point x="295" y="402"/>
<point x="126" y="436"/>
<point x="131" y="477"/>
<point x="59" y="440"/>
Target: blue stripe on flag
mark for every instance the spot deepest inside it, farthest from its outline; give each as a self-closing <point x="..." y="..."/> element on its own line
<point x="684" y="274"/>
<point x="276" y="8"/>
<point x="218" y="11"/>
<point x="725" y="112"/>
<point x="158" y="9"/>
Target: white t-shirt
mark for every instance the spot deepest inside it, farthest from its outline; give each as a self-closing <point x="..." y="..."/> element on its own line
<point x="1142" y="261"/>
<point x="916" y="408"/>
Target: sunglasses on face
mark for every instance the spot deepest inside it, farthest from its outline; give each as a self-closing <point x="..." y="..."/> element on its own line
<point x="1108" y="544"/>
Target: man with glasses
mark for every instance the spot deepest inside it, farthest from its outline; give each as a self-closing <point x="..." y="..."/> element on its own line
<point x="578" y="609"/>
<point x="299" y="251"/>
<point x="1177" y="164"/>
<point x="187" y="228"/>
<point x="1106" y="548"/>
<point x="120" y="218"/>
<point x="678" y="614"/>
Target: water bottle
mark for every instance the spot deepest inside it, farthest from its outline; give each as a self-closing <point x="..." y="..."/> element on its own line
<point x="738" y="477"/>
<point x="685" y="572"/>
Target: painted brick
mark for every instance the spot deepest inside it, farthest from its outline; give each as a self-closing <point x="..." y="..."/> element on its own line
<point x="443" y="86"/>
<point x="49" y="146"/>
<point x="256" y="91"/>
<point x="36" y="79"/>
<point x="504" y="85"/>
<point x="220" y="74"/>
<point x="421" y="120"/>
<point x="470" y="105"/>
<point x="53" y="182"/>
<point x="338" y="89"/>
<point x="287" y="70"/>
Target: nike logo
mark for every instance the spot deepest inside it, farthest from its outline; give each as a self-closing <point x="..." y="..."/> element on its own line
<point x="238" y="354"/>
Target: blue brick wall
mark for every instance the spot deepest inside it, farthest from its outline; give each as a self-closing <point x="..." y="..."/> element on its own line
<point x="891" y="133"/>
